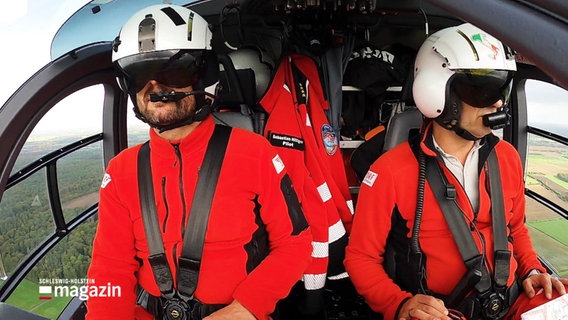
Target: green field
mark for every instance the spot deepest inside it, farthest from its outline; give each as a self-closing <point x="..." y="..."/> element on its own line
<point x="549" y="232"/>
<point x="27" y="296"/>
<point x="556" y="229"/>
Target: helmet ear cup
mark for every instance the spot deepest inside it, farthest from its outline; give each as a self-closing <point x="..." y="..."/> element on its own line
<point x="427" y="95"/>
<point x="450" y="118"/>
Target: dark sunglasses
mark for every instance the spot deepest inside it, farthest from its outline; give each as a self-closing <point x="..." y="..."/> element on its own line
<point x="176" y="69"/>
<point x="482" y="88"/>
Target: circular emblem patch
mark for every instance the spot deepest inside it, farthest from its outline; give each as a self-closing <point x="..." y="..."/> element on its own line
<point x="329" y="139"/>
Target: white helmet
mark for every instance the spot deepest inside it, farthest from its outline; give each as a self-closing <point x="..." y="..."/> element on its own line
<point x="167" y="43"/>
<point x="461" y="63"/>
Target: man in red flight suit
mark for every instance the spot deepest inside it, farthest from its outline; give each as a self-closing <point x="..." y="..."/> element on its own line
<point x="462" y="81"/>
<point x="257" y="242"/>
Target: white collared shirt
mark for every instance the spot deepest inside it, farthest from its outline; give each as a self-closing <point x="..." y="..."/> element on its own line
<point x="467" y="173"/>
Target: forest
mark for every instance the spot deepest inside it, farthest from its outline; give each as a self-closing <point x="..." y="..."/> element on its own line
<point x="26" y="218"/>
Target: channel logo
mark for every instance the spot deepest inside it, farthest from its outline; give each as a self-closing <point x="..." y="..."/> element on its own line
<point x="45" y="293"/>
<point x="83" y="292"/>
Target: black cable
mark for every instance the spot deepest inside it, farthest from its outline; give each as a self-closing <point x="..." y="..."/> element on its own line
<point x="419" y="202"/>
<point x="415" y="245"/>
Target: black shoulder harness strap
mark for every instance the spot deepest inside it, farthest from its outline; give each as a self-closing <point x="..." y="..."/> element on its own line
<point x="194" y="237"/>
<point x="474" y="260"/>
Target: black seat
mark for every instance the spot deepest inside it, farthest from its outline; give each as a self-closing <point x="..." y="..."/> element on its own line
<point x="235" y="96"/>
<point x="245" y="76"/>
<point x="401" y="126"/>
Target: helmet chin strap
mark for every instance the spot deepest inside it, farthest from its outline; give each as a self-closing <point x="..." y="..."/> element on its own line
<point x="464" y="133"/>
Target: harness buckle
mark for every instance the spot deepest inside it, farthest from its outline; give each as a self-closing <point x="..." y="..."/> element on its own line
<point x="175" y="309"/>
<point x="451" y="192"/>
<point x="493" y="306"/>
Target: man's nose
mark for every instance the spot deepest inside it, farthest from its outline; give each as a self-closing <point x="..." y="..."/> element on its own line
<point x="155" y="86"/>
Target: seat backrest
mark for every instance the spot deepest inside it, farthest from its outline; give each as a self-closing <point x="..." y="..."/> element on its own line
<point x="401" y="126"/>
<point x="244" y="79"/>
<point x="234" y="119"/>
<point x="232" y="109"/>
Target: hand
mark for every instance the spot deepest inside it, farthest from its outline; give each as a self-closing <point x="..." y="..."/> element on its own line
<point x="546" y="282"/>
<point x="423" y="307"/>
<point x="234" y="311"/>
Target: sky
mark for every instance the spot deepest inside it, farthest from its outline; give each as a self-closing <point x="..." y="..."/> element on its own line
<point x="26" y="30"/>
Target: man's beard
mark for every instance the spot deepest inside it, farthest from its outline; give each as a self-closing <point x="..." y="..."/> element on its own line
<point x="182" y="111"/>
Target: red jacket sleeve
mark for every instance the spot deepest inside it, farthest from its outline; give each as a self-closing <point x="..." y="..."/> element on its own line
<point x="364" y="253"/>
<point x="289" y="240"/>
<point x="523" y="249"/>
<point x="113" y="260"/>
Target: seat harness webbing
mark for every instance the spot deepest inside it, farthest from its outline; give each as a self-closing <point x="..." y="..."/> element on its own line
<point x="474" y="260"/>
<point x="194" y="237"/>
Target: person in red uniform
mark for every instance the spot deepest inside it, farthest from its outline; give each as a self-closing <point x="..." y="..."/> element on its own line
<point x="461" y="83"/>
<point x="257" y="242"/>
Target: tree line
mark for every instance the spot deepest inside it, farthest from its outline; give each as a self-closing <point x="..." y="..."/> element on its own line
<point x="26" y="219"/>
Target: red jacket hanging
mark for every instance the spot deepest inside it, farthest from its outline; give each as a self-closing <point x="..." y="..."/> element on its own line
<point x="297" y="125"/>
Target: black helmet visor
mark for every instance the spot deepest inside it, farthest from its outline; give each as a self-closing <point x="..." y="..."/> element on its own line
<point x="482" y="88"/>
<point x="174" y="69"/>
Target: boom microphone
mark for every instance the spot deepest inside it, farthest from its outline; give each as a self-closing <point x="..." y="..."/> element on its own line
<point x="497" y="120"/>
<point x="173" y="96"/>
<point x="168" y="96"/>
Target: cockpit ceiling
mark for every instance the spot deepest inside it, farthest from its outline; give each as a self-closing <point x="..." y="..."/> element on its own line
<point x="107" y="16"/>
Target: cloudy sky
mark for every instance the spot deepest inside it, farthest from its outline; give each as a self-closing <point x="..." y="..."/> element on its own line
<point x="26" y="30"/>
<point x="27" y="27"/>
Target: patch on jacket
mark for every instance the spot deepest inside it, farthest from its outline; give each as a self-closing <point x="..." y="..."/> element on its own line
<point x="370" y="178"/>
<point x="329" y="139"/>
<point x="278" y="164"/>
<point x="106" y="180"/>
<point x="285" y="141"/>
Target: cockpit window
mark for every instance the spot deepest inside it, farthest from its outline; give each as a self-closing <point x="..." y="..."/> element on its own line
<point x="98" y="20"/>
